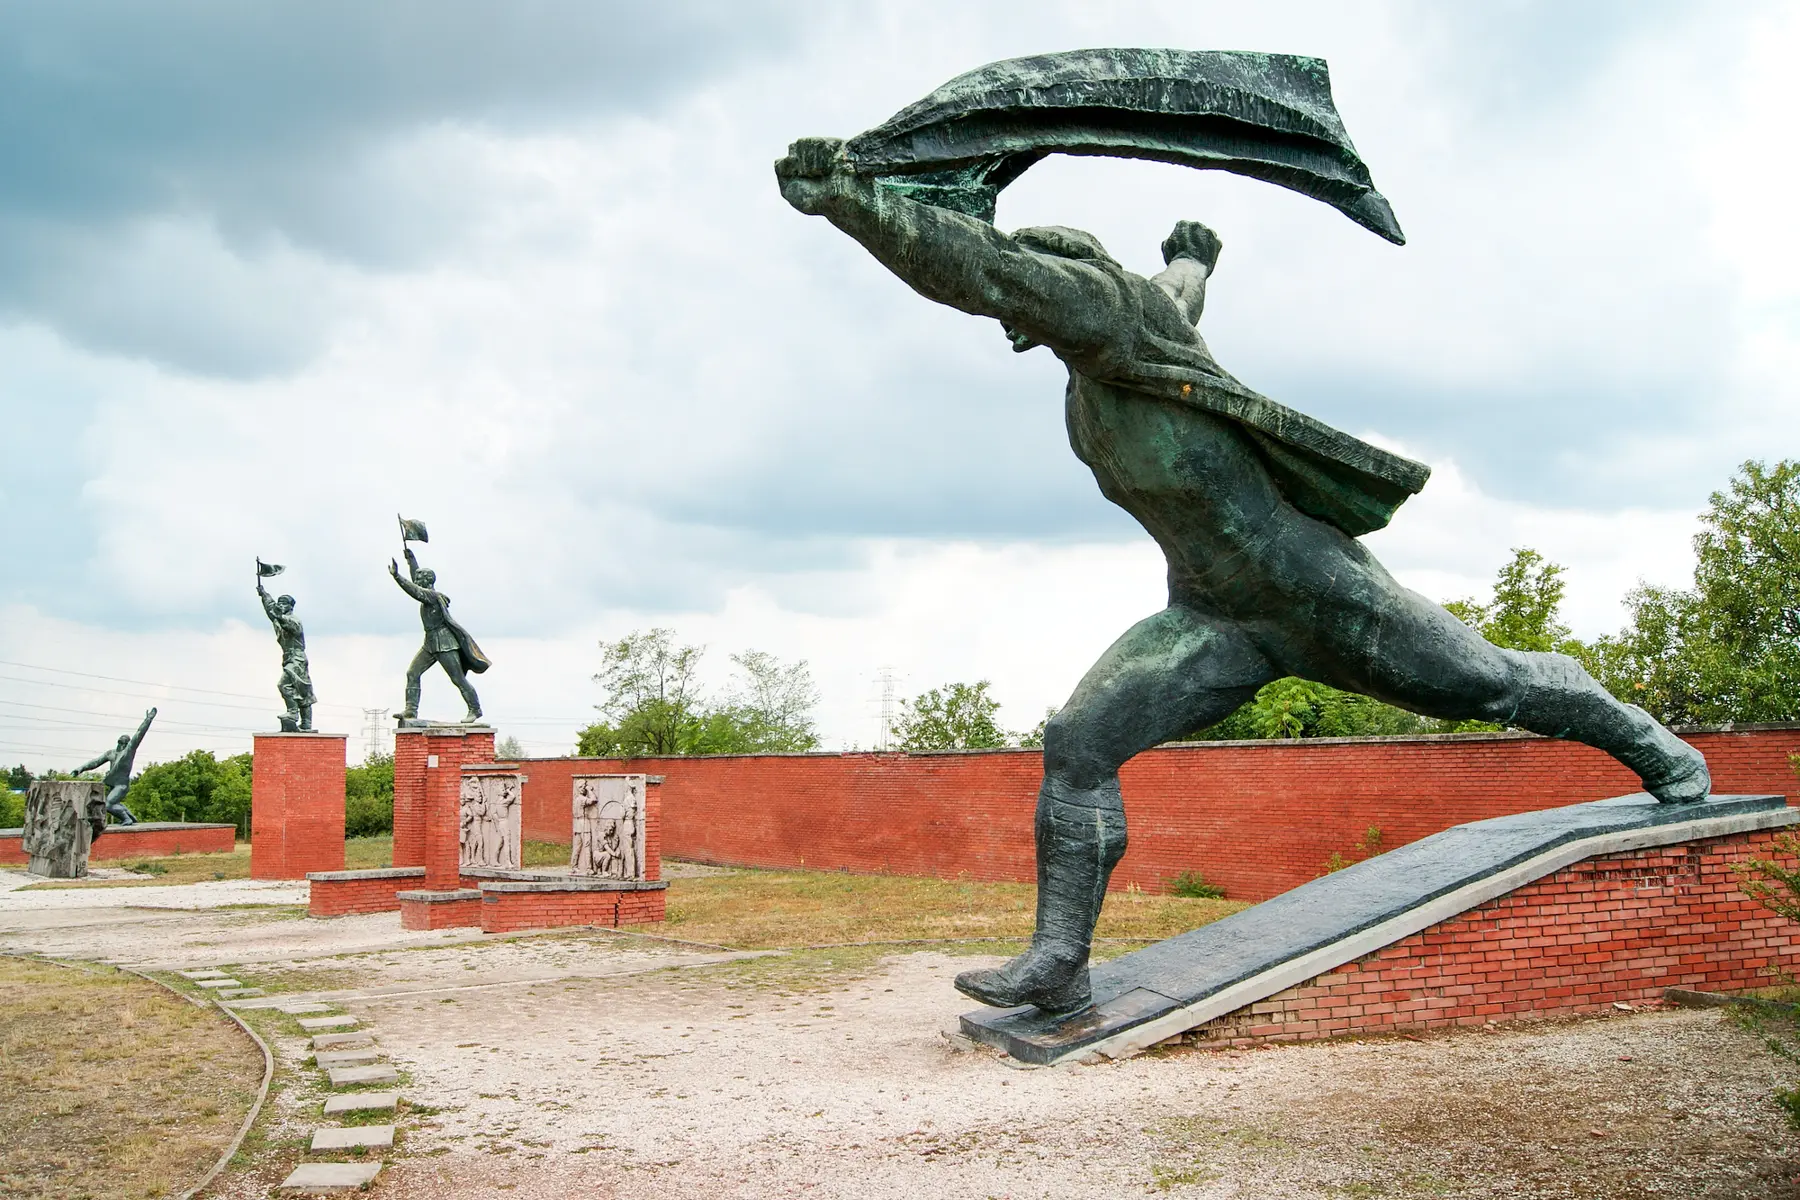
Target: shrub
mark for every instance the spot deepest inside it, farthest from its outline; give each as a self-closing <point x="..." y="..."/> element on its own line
<point x="1777" y="888"/>
<point x="1193" y="885"/>
<point x="369" y="797"/>
<point x="12" y="809"/>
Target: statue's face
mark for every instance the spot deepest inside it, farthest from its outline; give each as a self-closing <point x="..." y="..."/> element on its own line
<point x="124" y="740"/>
<point x="285" y="604"/>
<point x="427" y="577"/>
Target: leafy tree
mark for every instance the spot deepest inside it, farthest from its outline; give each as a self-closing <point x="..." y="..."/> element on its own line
<point x="957" y="716"/>
<point x="654" y="704"/>
<point x="369" y="797"/>
<point x="509" y="749"/>
<point x="650" y="700"/>
<point x="1727" y="649"/>
<point x="1524" y="612"/>
<point x="1034" y="739"/>
<point x="770" y="710"/>
<point x="196" y="787"/>
<point x="19" y="779"/>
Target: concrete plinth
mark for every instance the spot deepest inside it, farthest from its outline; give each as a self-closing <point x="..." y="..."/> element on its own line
<point x="297" y="805"/>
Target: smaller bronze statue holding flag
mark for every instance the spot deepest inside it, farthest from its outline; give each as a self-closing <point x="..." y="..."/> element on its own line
<point x="446" y="643"/>
<point x="296" y="680"/>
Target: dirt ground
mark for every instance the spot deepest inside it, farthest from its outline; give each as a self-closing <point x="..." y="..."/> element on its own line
<point x="112" y="1087"/>
<point x="603" y="1065"/>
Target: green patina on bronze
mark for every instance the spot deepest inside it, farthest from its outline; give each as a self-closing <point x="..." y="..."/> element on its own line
<point x="1255" y="506"/>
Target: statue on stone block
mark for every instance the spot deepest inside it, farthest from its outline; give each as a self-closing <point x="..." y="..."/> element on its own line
<point x="117" y="762"/>
<point x="608" y="827"/>
<point x="447" y="644"/>
<point x="62" y="819"/>
<point x="295" y="685"/>
<point x="1256" y="507"/>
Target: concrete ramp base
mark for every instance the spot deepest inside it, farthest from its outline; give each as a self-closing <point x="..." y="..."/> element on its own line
<point x="1186" y="981"/>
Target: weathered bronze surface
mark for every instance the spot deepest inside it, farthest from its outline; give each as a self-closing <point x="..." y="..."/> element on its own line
<point x="1255" y="506"/>
<point x="117" y="762"/>
<point x="447" y="644"/>
<point x="295" y="684"/>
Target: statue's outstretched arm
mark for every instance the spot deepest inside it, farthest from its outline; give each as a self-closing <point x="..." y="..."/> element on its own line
<point x="104" y="760"/>
<point x="138" y="737"/>
<point x="957" y="259"/>
<point x="406" y="585"/>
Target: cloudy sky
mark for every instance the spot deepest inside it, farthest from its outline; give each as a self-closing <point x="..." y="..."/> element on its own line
<point x="271" y="273"/>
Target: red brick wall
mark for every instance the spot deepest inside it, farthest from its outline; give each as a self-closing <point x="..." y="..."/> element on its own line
<point x="1258" y="818"/>
<point x="504" y="912"/>
<point x="426" y="798"/>
<point x="296" y="805"/>
<point x="342" y="897"/>
<point x="440" y="914"/>
<point x="1618" y="928"/>
<point x="120" y="841"/>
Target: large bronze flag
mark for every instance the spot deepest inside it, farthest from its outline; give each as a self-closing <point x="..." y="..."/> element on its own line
<point x="1265" y="116"/>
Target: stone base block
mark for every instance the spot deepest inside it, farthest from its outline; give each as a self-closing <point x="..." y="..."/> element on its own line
<point x="341" y="893"/>
<point x="440" y="910"/>
<point x="508" y="905"/>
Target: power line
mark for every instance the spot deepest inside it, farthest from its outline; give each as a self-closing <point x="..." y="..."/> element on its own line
<point x="177" y="687"/>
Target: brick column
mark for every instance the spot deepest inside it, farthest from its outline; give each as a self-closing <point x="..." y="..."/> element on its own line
<point x="409" y="798"/>
<point x="435" y="757"/>
<point x="296" y="804"/>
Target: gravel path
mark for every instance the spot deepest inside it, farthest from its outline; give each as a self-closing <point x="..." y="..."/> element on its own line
<point x="602" y="1065"/>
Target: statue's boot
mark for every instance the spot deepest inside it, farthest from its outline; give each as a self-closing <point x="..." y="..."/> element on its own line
<point x="1080" y="839"/>
<point x="1564" y="701"/>
<point x="473" y="716"/>
<point x="411" y="711"/>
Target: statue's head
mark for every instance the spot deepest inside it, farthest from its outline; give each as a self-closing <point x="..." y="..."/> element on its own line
<point x="285" y="603"/>
<point x="426" y="577"/>
<point x="124" y="740"/>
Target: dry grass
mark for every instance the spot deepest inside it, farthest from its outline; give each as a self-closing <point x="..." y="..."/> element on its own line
<point x="757" y="910"/>
<point x="114" y="1087"/>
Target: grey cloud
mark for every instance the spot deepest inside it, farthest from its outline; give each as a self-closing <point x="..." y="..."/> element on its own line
<point x="263" y="127"/>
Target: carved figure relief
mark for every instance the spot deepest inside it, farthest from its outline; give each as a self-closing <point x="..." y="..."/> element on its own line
<point x="490" y="821"/>
<point x="609" y="826"/>
<point x="62" y="818"/>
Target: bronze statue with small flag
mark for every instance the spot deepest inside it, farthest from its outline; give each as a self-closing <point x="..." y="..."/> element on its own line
<point x="447" y="644"/>
<point x="296" y="678"/>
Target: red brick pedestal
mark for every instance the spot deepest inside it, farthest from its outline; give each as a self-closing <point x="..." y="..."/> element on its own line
<point x="297" y="805"/>
<point x="428" y="763"/>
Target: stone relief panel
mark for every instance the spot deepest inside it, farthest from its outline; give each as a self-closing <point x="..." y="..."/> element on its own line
<point x="62" y="817"/>
<point x="490" y="820"/>
<point x="609" y="827"/>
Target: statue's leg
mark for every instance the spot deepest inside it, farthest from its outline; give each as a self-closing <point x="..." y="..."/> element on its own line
<point x="1416" y="655"/>
<point x="421" y="662"/>
<point x="1171" y="674"/>
<point x="451" y="661"/>
<point x="115" y="803"/>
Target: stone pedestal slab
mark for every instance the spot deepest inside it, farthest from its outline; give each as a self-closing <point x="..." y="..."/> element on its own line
<point x="297" y="805"/>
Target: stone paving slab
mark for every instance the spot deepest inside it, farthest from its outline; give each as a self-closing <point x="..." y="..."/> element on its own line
<point x="361" y="1102"/>
<point x="303" y="1009"/>
<point x="206" y="974"/>
<point x="311" y="1024"/>
<point x="350" y="1076"/>
<point x="354" y="1137"/>
<point x="324" y="1041"/>
<point x="346" y="1058"/>
<point x="221" y="982"/>
<point x="238" y="993"/>
<point x="331" y="1177"/>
